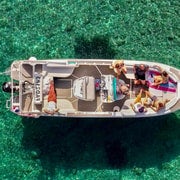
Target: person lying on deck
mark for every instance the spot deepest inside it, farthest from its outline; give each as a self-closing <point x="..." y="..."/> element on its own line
<point x="153" y="102"/>
<point x="118" y="66"/>
<point x="122" y="88"/>
<point x="140" y="73"/>
<point x="163" y="78"/>
<point x="138" y="105"/>
<point x="52" y="100"/>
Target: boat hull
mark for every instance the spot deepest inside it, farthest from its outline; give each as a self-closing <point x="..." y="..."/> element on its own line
<point x="79" y="91"/>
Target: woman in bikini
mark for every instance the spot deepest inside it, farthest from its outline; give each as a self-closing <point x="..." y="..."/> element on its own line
<point x="118" y="67"/>
<point x="161" y="79"/>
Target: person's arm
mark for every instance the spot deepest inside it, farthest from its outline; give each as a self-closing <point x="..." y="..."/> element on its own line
<point x="124" y="69"/>
<point x="157" y="80"/>
<point x="144" y="102"/>
<point x="157" y="83"/>
<point x="56" y="110"/>
<point x="148" y="94"/>
<point x="147" y="67"/>
<point x="153" y="108"/>
<point x="159" y="68"/>
<point x="134" y="68"/>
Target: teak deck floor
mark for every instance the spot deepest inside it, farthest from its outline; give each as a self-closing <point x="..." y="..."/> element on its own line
<point x="64" y="91"/>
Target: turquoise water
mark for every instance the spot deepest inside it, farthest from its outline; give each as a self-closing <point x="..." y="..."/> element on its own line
<point x="51" y="148"/>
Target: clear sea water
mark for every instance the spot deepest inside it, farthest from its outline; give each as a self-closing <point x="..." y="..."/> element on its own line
<point x="92" y="149"/>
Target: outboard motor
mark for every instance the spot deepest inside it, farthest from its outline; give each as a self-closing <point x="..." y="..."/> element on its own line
<point x="7" y="87"/>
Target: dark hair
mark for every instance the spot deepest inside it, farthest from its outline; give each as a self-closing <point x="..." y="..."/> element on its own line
<point x="161" y="104"/>
<point x="164" y="73"/>
<point x="141" y="109"/>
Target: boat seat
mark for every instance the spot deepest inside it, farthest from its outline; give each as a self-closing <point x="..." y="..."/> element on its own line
<point x="84" y="88"/>
<point x="64" y="105"/>
<point x="130" y="73"/>
<point x="58" y="70"/>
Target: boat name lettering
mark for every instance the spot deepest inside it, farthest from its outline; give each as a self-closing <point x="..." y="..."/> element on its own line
<point x="37" y="88"/>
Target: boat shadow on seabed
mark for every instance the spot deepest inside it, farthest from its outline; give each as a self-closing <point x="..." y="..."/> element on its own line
<point x="74" y="144"/>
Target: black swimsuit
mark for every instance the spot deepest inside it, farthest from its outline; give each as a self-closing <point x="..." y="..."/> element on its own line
<point x="140" y="74"/>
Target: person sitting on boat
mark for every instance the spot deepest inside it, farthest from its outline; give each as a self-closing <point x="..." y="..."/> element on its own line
<point x="153" y="102"/>
<point x="138" y="105"/>
<point x="122" y="88"/>
<point x="163" y="78"/>
<point x="7" y="87"/>
<point x="118" y="66"/>
<point x="52" y="100"/>
<point x="140" y="73"/>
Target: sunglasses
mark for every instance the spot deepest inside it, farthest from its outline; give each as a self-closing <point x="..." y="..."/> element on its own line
<point x="119" y="65"/>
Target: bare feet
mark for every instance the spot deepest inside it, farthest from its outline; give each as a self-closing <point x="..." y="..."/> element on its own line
<point x="167" y="100"/>
<point x="51" y="81"/>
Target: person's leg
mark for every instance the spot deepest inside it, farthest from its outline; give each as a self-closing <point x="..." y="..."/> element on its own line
<point x="136" y="81"/>
<point x="165" y="101"/>
<point x="52" y="93"/>
<point x="138" y="97"/>
<point x="143" y="82"/>
<point x="145" y="102"/>
<point x="148" y="94"/>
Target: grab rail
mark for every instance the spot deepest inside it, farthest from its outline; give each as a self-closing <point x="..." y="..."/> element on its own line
<point x="178" y="90"/>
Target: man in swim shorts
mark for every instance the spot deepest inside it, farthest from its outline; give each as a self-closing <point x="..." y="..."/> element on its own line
<point x="140" y="73"/>
<point x="163" y="78"/>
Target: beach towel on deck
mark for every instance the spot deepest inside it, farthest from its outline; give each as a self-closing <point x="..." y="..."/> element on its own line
<point x="170" y="86"/>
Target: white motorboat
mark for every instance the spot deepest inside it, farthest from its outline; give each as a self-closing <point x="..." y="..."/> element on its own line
<point x="86" y="88"/>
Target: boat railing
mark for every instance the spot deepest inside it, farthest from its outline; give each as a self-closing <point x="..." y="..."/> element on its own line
<point x="178" y="90"/>
<point x="20" y="89"/>
<point x="171" y="103"/>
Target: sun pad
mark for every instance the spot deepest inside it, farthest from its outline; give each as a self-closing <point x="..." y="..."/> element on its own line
<point x="169" y="86"/>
